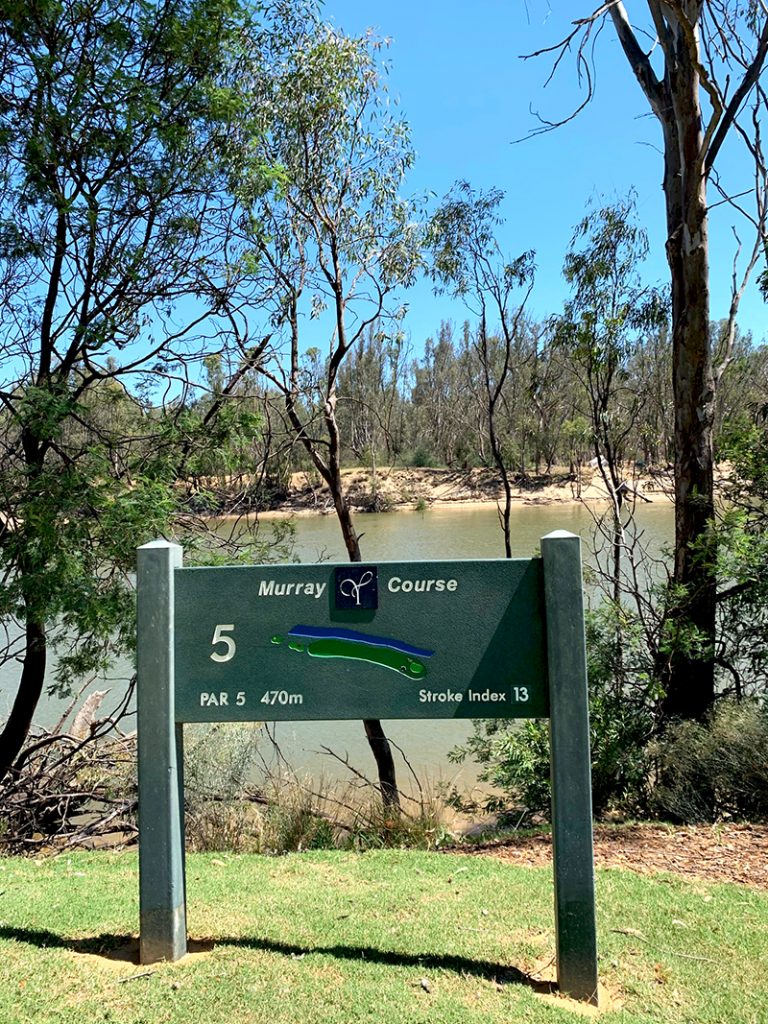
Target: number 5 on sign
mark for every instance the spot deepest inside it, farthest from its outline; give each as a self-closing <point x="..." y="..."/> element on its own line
<point x="220" y="637"/>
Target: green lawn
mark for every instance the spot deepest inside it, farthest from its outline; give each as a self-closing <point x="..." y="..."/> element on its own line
<point x="386" y="936"/>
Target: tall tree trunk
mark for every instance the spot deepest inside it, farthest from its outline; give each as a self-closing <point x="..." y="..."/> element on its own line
<point x="19" y="722"/>
<point x="505" y="513"/>
<point x="377" y="740"/>
<point x="689" y="672"/>
<point x="331" y="473"/>
<point x="721" y="49"/>
<point x="30" y="689"/>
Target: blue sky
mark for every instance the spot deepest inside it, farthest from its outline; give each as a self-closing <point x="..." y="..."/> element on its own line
<point x="467" y="97"/>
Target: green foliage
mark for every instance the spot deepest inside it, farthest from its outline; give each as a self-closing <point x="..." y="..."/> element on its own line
<point x="75" y="537"/>
<point x="716" y="769"/>
<point x="295" y="820"/>
<point x="234" y="803"/>
<point x="220" y="760"/>
<point x="212" y="446"/>
<point x="250" y="544"/>
<point x="420" y="458"/>
<point x="115" y="97"/>
<point x="343" y="156"/>
<point x="468" y="263"/>
<point x="744" y="442"/>
<point x="419" y="825"/>
<point x="515" y="755"/>
<point x="466" y="259"/>
<point x="514" y="758"/>
<point x="603" y="324"/>
<point x="117" y="135"/>
<point x="742" y="565"/>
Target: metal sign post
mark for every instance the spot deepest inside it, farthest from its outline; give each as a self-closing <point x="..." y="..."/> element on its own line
<point x="162" y="897"/>
<point x="501" y="638"/>
<point x="575" y="925"/>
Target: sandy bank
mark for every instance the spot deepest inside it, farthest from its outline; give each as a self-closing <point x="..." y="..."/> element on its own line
<point x="420" y="489"/>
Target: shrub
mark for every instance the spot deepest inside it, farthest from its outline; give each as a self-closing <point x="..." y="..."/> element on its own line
<point x="515" y="755"/>
<point x="516" y="759"/>
<point x="373" y="501"/>
<point x="296" y="818"/>
<point x="716" y="769"/>
<point x="420" y="458"/>
<point x="226" y="808"/>
<point x="420" y="825"/>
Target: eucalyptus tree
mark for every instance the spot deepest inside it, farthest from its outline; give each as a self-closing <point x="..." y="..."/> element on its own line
<point x="650" y="364"/>
<point x="442" y="431"/>
<point x="370" y="395"/>
<point x="331" y="244"/>
<point x="114" y="119"/>
<point x="742" y="386"/>
<point x="468" y="262"/>
<point x="604" y="321"/>
<point x="699" y="65"/>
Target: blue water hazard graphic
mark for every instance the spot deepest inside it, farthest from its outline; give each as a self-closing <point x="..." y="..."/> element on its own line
<point x="337" y="642"/>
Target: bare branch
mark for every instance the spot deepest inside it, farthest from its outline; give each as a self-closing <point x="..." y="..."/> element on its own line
<point x="729" y="115"/>
<point x="638" y="61"/>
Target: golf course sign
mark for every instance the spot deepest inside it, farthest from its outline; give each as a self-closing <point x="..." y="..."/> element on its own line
<point x="495" y="638"/>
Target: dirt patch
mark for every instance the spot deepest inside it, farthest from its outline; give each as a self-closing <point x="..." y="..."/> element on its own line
<point x="127" y="953"/>
<point x="712" y="853"/>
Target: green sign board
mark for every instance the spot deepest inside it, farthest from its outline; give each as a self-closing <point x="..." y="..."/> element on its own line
<point x="462" y="639"/>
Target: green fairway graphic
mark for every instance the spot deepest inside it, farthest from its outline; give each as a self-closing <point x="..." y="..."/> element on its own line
<point x="324" y="642"/>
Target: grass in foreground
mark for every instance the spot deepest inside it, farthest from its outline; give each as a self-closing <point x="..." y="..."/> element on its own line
<point x="385" y="936"/>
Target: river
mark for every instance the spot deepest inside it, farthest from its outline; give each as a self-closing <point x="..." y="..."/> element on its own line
<point x="446" y="532"/>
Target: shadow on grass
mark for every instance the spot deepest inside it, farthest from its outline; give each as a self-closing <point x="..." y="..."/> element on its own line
<point x="485" y="969"/>
<point x="105" y="943"/>
<point x="126" y="947"/>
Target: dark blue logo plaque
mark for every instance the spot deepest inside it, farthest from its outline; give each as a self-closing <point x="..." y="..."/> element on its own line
<point x="356" y="588"/>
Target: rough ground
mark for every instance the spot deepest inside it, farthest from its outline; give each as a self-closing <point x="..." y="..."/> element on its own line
<point x="713" y="853"/>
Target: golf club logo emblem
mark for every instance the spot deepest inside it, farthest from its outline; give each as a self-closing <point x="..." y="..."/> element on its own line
<point x="356" y="588"/>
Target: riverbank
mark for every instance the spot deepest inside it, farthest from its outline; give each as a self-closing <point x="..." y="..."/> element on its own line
<point x="420" y="489"/>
